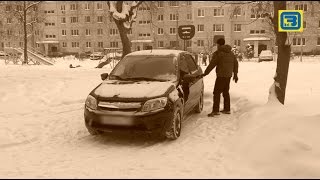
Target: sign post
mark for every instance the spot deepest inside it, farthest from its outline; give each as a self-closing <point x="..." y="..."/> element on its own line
<point x="186" y="32"/>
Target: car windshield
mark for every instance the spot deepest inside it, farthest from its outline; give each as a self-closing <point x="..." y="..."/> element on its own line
<point x="149" y="68"/>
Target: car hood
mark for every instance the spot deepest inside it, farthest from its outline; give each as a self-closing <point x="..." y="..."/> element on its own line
<point x="132" y="89"/>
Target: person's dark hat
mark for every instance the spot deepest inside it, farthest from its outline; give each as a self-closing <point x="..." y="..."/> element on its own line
<point x="221" y="41"/>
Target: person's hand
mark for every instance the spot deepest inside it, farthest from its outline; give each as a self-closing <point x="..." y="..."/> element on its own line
<point x="235" y="78"/>
<point x="202" y="75"/>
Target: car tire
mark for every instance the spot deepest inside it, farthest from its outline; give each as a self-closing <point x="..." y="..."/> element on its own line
<point x="93" y="131"/>
<point x="199" y="106"/>
<point x="174" y="131"/>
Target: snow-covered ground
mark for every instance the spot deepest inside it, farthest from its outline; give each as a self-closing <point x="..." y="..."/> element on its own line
<point x="42" y="132"/>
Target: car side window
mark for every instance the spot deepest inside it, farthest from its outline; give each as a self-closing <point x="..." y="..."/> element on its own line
<point x="190" y="62"/>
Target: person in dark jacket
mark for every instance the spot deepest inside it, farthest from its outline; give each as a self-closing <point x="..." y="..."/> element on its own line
<point x="226" y="64"/>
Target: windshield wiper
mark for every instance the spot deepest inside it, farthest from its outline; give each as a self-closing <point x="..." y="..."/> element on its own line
<point x="146" y="79"/>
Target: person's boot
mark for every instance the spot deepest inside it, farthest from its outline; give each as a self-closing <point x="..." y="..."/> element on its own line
<point x="226" y="112"/>
<point x="213" y="114"/>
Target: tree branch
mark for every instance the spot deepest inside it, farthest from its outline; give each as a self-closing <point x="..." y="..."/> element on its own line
<point x="31" y="5"/>
<point x="32" y="22"/>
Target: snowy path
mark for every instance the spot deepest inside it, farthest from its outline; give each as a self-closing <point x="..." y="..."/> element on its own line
<point x="43" y="134"/>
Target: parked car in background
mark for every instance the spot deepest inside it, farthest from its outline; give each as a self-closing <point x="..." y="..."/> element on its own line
<point x="96" y="56"/>
<point x="265" y="55"/>
<point x="3" y="54"/>
<point x="150" y="91"/>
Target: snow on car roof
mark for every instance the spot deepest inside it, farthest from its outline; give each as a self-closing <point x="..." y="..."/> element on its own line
<point x="157" y="52"/>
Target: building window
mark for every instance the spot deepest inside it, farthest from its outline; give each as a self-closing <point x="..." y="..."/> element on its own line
<point x="100" y="31"/>
<point x="19" y="8"/>
<point x="200" y="27"/>
<point x="189" y="3"/>
<point x="9" y="32"/>
<point x="218" y="27"/>
<point x="64" y="32"/>
<point x="63" y="20"/>
<point x="88" y="32"/>
<point x="64" y="44"/>
<point x="63" y="8"/>
<point x="114" y="32"/>
<point x="237" y="11"/>
<point x="73" y="7"/>
<point x="9" y="20"/>
<point x="303" y="7"/>
<point x="75" y="32"/>
<point x="74" y="19"/>
<point x="100" y="44"/>
<point x="87" y="7"/>
<point x="75" y="44"/>
<point x="160" y="17"/>
<point x="160" y="31"/>
<point x="218" y="12"/>
<point x="88" y="44"/>
<point x="50" y="36"/>
<point x="114" y="44"/>
<point x="100" y="19"/>
<point x="237" y="42"/>
<point x="304" y="24"/>
<point x="200" y="12"/>
<point x="87" y="19"/>
<point x="188" y="43"/>
<point x="160" y="44"/>
<point x="49" y="12"/>
<point x="173" y="17"/>
<point x="160" y="4"/>
<point x="174" y="3"/>
<point x="299" y="41"/>
<point x="144" y="35"/>
<point x="8" y="8"/>
<point x="173" y="43"/>
<point x="189" y="16"/>
<point x="99" y="6"/>
<point x="49" y="24"/>
<point x="200" y="43"/>
<point x="172" y="31"/>
<point x="237" y="27"/>
<point x="144" y="22"/>
<point x="318" y="42"/>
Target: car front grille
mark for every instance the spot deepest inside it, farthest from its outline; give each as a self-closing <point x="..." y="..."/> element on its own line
<point x="119" y="106"/>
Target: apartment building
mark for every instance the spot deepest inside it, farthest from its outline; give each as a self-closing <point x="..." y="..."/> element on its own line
<point x="86" y="26"/>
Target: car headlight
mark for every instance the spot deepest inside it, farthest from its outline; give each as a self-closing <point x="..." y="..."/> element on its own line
<point x="91" y="102"/>
<point x="154" y="104"/>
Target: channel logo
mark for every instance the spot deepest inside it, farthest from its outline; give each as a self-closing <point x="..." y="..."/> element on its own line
<point x="290" y="21"/>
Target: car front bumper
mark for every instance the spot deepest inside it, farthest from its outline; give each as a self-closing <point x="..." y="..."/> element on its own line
<point x="110" y="121"/>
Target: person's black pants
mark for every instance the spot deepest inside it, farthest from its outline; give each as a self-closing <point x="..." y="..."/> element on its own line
<point x="222" y="85"/>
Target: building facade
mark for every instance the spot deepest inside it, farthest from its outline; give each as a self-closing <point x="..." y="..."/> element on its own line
<point x="86" y="26"/>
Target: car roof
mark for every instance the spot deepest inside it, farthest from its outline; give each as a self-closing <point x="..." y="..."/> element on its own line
<point x="157" y="52"/>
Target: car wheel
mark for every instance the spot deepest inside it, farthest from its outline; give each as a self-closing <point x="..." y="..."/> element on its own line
<point x="199" y="106"/>
<point x="93" y="131"/>
<point x="175" y="129"/>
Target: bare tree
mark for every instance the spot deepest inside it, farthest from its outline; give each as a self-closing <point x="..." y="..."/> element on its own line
<point x="26" y="13"/>
<point x="124" y="13"/>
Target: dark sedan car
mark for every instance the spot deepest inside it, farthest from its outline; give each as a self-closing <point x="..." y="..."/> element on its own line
<point x="150" y="91"/>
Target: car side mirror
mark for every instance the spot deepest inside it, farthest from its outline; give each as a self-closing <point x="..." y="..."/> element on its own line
<point x="104" y="76"/>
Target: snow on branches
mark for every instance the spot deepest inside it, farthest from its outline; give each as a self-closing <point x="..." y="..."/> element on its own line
<point x="126" y="14"/>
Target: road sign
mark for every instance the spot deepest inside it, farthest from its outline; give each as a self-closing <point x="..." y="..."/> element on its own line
<point x="186" y="32"/>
